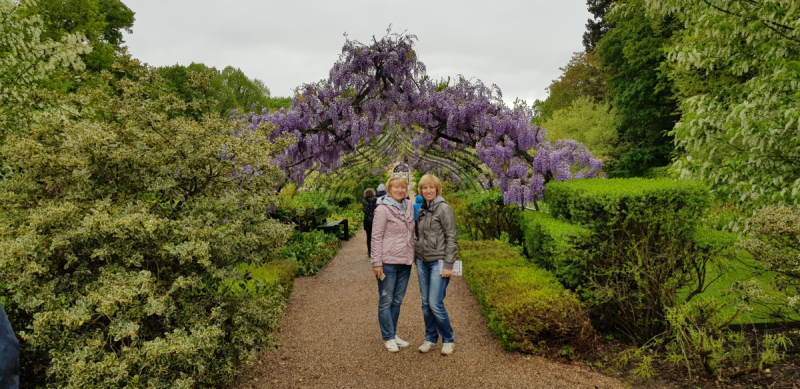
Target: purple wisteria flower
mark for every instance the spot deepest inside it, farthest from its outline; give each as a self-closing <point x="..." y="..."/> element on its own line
<point x="384" y="85"/>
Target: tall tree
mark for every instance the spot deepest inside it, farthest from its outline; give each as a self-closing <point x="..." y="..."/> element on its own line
<point x="582" y="77"/>
<point x="587" y="121"/>
<point x="640" y="92"/>
<point x="99" y="21"/>
<point x="597" y="26"/>
<point x="737" y="70"/>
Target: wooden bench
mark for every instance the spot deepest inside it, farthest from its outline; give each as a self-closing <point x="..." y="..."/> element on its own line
<point x="332" y="227"/>
<point x="340" y="228"/>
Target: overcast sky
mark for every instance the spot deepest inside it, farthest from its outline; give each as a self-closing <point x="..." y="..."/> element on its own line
<point x="518" y="45"/>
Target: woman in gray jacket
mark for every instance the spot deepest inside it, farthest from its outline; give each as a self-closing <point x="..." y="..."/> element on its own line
<point x="435" y="252"/>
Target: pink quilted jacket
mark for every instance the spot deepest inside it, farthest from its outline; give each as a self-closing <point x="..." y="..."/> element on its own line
<point x="393" y="235"/>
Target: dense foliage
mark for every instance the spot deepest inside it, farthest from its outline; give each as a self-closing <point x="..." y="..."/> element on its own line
<point x="593" y="124"/>
<point x="302" y="209"/>
<point x="527" y="309"/>
<point x="736" y="69"/>
<point x="700" y="341"/>
<point x="385" y="82"/>
<point x="271" y="278"/>
<point x="597" y="26"/>
<point x="486" y="216"/>
<point x="557" y="246"/>
<point x="27" y="58"/>
<point x="122" y="219"/>
<point x="640" y="93"/>
<point x="230" y="88"/>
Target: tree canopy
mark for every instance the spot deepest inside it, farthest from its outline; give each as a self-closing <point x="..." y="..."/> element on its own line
<point x="584" y="76"/>
<point x="596" y="27"/>
<point x="101" y="22"/>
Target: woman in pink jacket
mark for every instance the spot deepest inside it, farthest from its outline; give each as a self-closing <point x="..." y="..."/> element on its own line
<point x="392" y="255"/>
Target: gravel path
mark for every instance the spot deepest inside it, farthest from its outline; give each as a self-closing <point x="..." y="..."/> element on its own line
<point x="331" y="339"/>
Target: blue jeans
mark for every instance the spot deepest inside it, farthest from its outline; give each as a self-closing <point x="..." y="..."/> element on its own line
<point x="432" y="289"/>
<point x="9" y="354"/>
<point x="392" y="292"/>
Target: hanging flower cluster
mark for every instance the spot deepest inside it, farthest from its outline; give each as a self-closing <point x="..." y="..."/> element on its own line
<point x="383" y="85"/>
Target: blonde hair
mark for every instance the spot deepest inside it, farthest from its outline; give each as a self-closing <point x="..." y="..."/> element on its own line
<point x="395" y="181"/>
<point x="430" y="180"/>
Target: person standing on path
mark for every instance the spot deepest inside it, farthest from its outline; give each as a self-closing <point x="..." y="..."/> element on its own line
<point x="435" y="252"/>
<point x="392" y="256"/>
<point x="417" y="204"/>
<point x="381" y="191"/>
<point x="369" y="203"/>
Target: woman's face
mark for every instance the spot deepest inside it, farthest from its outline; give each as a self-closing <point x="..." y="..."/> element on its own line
<point x="428" y="193"/>
<point x="398" y="192"/>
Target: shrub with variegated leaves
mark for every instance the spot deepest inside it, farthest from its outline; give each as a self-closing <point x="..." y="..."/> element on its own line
<point x="123" y="225"/>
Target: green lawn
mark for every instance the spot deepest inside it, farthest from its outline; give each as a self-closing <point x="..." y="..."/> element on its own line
<point x="739" y="270"/>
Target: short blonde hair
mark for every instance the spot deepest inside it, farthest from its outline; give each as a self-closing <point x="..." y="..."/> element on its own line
<point x="395" y="181"/>
<point x="430" y="180"/>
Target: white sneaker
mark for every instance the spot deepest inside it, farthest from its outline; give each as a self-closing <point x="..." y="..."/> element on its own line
<point x="400" y="342"/>
<point x="391" y="346"/>
<point x="447" y="349"/>
<point x="427" y="346"/>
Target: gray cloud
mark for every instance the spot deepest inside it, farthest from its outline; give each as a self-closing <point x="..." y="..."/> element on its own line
<point x="518" y="45"/>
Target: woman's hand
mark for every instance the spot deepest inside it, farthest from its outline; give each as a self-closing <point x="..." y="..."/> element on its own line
<point x="378" y="270"/>
<point x="446" y="273"/>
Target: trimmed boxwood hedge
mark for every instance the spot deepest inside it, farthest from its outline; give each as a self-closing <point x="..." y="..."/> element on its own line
<point x="527" y="308"/>
<point x="558" y="246"/>
<point x="632" y="206"/>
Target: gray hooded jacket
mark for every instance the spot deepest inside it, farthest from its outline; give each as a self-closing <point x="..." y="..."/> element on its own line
<point x="436" y="233"/>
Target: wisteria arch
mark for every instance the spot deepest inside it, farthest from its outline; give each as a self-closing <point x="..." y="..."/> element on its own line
<point x="384" y="83"/>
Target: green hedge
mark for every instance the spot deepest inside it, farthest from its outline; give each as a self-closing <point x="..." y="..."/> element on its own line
<point x="527" y="309"/>
<point x="632" y="206"/>
<point x="557" y="246"/>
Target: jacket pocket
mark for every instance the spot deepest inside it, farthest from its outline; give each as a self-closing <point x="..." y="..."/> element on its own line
<point x="431" y="242"/>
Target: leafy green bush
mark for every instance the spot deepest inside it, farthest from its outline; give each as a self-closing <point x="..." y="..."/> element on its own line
<point x="122" y="219"/>
<point x="642" y="248"/>
<point x="557" y="246"/>
<point x="343" y="201"/>
<point x="268" y="279"/>
<point x="311" y="251"/>
<point x="527" y="309"/>
<point x="487" y="217"/>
